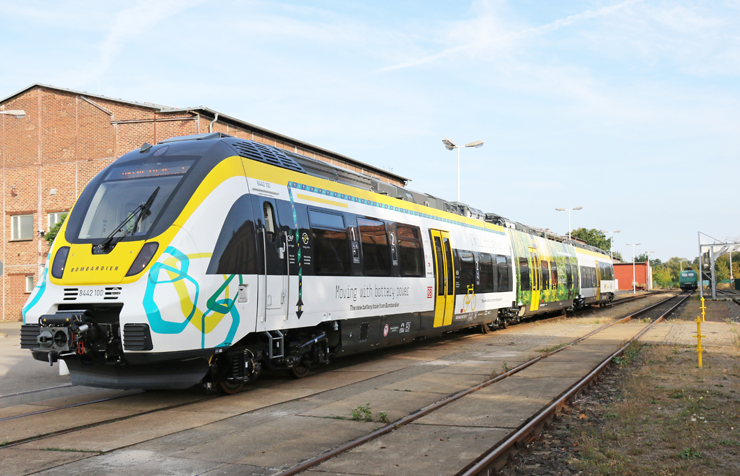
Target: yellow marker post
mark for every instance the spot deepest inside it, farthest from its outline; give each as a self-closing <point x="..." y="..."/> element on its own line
<point x="703" y="310"/>
<point x="698" y="336"/>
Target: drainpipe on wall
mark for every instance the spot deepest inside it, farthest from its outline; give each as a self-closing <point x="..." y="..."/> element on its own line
<point x="210" y="126"/>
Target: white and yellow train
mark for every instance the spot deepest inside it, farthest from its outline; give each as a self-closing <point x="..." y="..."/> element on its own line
<point x="204" y="259"/>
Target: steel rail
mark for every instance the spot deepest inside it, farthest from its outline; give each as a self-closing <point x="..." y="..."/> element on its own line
<point x="36" y="391"/>
<point x="439" y="404"/>
<point x="487" y="464"/>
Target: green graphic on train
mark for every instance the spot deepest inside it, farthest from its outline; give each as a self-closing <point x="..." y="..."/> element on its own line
<point x="555" y="265"/>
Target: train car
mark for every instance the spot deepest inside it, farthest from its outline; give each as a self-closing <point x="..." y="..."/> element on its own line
<point x="204" y="259"/>
<point x="688" y="280"/>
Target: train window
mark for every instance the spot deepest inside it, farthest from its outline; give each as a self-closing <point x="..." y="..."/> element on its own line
<point x="554" y="273"/>
<point x="331" y="252"/>
<point x="450" y="268"/>
<point x="467" y="269"/>
<point x="269" y="215"/>
<point x="375" y="252"/>
<point x="584" y="277"/>
<point x="487" y="273"/>
<point x="545" y="271"/>
<point x="325" y="220"/>
<point x="236" y="250"/>
<point x="410" y="252"/>
<point x="525" y="284"/>
<point x="440" y="266"/>
<point x="503" y="274"/>
<point x="568" y="275"/>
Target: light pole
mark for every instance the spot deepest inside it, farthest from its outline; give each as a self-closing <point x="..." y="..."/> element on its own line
<point x="17" y="113"/>
<point x="611" y="242"/>
<point x="633" y="265"/>
<point x="568" y="210"/>
<point x="449" y="145"/>
<point x="649" y="272"/>
<point x="680" y="263"/>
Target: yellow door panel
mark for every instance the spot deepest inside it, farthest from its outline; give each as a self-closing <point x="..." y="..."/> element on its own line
<point x="444" y="273"/>
<point x="450" y="281"/>
<point x="536" y="276"/>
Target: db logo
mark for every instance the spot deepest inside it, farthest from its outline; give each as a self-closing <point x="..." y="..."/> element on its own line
<point x="429" y="292"/>
<point x="385" y="331"/>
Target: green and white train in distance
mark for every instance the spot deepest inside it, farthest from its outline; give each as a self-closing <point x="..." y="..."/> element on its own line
<point x="688" y="280"/>
<point x="204" y="259"/>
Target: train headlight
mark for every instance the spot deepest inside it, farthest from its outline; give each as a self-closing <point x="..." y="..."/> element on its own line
<point x="145" y="256"/>
<point x="57" y="269"/>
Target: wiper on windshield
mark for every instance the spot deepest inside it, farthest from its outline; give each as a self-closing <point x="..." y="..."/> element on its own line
<point x="140" y="212"/>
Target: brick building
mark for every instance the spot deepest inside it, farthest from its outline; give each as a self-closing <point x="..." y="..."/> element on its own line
<point x="66" y="137"/>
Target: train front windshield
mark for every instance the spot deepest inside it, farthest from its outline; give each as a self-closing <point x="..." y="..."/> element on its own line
<point x="125" y="188"/>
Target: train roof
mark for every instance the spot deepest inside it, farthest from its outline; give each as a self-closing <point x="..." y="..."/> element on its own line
<point x="301" y="163"/>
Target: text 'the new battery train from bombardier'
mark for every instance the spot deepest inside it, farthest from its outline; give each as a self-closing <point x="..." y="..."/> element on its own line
<point x="206" y="258"/>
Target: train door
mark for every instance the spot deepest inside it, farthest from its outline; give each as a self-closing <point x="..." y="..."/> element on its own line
<point x="273" y="295"/>
<point x="536" y="275"/>
<point x="444" y="271"/>
<point x="598" y="281"/>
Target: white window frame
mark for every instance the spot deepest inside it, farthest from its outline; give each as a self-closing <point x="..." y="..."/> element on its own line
<point x="29" y="284"/>
<point x="57" y="218"/>
<point x="15" y="225"/>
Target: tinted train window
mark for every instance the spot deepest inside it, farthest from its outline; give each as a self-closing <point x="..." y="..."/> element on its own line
<point x="503" y="274"/>
<point x="467" y="269"/>
<point x="269" y="215"/>
<point x="545" y="274"/>
<point x="554" y="272"/>
<point x="487" y="273"/>
<point x="235" y="251"/>
<point x="440" y="266"/>
<point x="568" y="275"/>
<point x="526" y="284"/>
<point x="450" y="268"/>
<point x="325" y="220"/>
<point x="330" y="252"/>
<point x="410" y="253"/>
<point x="331" y="249"/>
<point x="375" y="253"/>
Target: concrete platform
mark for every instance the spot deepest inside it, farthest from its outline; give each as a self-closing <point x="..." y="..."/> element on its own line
<point x="277" y="423"/>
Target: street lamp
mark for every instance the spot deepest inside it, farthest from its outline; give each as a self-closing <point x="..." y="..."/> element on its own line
<point x="568" y="210"/>
<point x="17" y="113"/>
<point x="680" y="263"/>
<point x="449" y="145"/>
<point x="611" y="242"/>
<point x="633" y="265"/>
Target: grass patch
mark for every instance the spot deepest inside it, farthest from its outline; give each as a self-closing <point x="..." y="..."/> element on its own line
<point x="70" y="450"/>
<point x="547" y="350"/>
<point x="681" y="426"/>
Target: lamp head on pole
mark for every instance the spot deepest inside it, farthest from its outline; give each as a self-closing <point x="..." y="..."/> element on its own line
<point x="476" y="144"/>
<point x="578" y="208"/>
<point x="449" y="145"/>
<point x="560" y="209"/>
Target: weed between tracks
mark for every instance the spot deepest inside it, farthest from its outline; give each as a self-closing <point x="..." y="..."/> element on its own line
<point x="654" y="413"/>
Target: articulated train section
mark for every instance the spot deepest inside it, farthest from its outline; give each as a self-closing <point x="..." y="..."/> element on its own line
<point x="204" y="260"/>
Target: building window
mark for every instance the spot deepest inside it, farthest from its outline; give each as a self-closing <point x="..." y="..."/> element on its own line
<point x="29" y="284"/>
<point x="22" y="227"/>
<point x="55" y="218"/>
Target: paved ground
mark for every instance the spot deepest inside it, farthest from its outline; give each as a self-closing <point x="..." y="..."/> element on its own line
<point x="278" y="422"/>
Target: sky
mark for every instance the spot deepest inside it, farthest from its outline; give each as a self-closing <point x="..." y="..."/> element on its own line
<point x="630" y="109"/>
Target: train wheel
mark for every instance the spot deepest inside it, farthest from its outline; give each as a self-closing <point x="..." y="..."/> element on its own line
<point x="224" y="387"/>
<point x="299" y="371"/>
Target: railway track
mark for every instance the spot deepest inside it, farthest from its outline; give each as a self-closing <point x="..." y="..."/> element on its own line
<point x="397" y="424"/>
<point x="542" y="319"/>
<point x="495" y="459"/>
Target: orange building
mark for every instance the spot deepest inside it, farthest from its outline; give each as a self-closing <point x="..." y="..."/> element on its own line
<point x="643" y="275"/>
